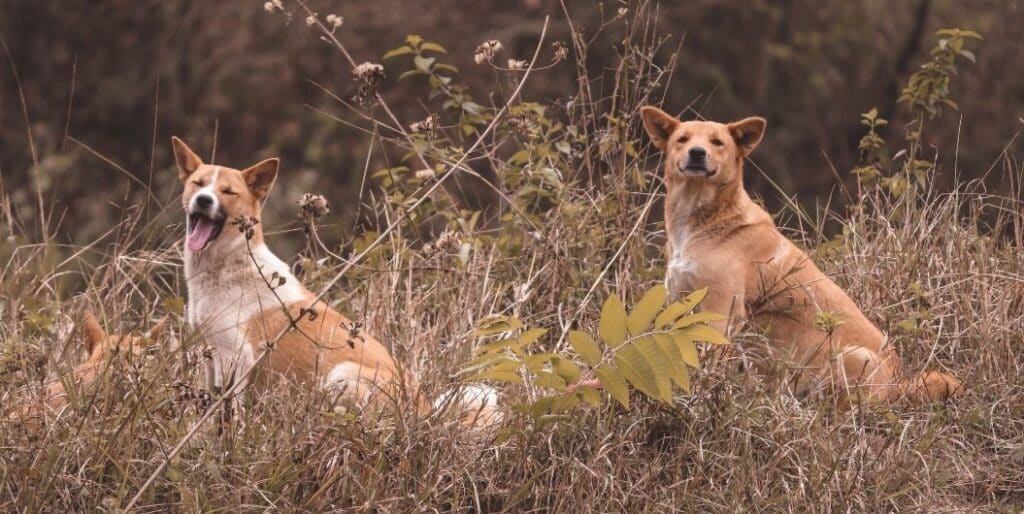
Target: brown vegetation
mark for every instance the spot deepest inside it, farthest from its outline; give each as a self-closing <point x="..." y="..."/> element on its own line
<point x="929" y="242"/>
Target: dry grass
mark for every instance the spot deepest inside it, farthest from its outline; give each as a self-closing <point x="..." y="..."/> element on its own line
<point x="942" y="273"/>
<point x="734" y="444"/>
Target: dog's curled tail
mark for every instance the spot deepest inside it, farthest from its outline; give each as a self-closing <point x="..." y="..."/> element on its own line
<point x="476" y="405"/>
<point x="931" y="385"/>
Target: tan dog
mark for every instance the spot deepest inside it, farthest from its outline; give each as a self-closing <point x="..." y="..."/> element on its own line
<point x="239" y="293"/>
<point x="719" y="238"/>
<point x="100" y="347"/>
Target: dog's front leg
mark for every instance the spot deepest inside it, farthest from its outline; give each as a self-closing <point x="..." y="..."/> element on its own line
<point x="725" y="299"/>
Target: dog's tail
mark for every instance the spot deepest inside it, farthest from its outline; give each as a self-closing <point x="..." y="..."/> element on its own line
<point x="476" y="405"/>
<point x="931" y="385"/>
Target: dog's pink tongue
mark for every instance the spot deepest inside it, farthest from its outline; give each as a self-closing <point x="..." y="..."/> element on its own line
<point x="200" y="234"/>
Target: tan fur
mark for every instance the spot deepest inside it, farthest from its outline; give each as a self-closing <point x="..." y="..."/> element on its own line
<point x="719" y="238"/>
<point x="319" y="343"/>
<point x="100" y="347"/>
<point x="323" y="345"/>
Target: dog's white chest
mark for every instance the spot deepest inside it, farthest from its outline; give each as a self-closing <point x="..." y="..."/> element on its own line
<point x="226" y="292"/>
<point x="681" y="272"/>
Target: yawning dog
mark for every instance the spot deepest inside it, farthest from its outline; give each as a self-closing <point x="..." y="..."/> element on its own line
<point x="241" y="296"/>
<point x="720" y="239"/>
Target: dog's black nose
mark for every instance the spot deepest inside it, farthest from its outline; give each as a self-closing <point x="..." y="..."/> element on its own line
<point x="698" y="153"/>
<point x="204" y="201"/>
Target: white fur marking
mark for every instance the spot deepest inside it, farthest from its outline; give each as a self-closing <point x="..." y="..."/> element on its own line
<point x="226" y="291"/>
<point x="472" y="397"/>
<point x="211" y="189"/>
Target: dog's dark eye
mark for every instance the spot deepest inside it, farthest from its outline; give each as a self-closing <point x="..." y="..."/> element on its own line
<point x="228" y="191"/>
<point x="684" y="138"/>
<point x="717" y="142"/>
<point x="198" y="183"/>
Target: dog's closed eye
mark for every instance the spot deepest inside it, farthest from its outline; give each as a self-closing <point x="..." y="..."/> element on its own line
<point x="199" y="183"/>
<point x="228" y="191"/>
<point x="717" y="142"/>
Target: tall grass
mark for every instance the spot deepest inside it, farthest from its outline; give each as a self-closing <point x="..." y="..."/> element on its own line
<point x="942" y="272"/>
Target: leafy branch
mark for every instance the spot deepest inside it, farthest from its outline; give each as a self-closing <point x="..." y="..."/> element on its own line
<point x="650" y="349"/>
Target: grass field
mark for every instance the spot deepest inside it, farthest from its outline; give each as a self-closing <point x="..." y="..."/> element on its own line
<point x="940" y="271"/>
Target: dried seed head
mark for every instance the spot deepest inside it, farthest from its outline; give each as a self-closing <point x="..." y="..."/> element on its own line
<point x="426" y="174"/>
<point x="313" y="206"/>
<point x="311" y="19"/>
<point x="369" y="75"/>
<point x="334" y="21"/>
<point x="486" y="51"/>
<point x="561" y="51"/>
<point x="428" y="125"/>
<point x="516" y="64"/>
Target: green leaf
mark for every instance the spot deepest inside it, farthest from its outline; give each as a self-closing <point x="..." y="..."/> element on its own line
<point x="532" y="335"/>
<point x="697" y="317"/>
<point x="660" y="363"/>
<point x="414" y="40"/>
<point x="490" y="360"/>
<point x="423" y="63"/>
<point x="433" y="47"/>
<point x="589" y="395"/>
<point x="614" y="382"/>
<point x="670" y="314"/>
<point x="397" y="52"/>
<point x="676" y="363"/>
<point x="638" y="371"/>
<point x="409" y="73"/>
<point x="646" y="309"/>
<point x="612" y="327"/>
<point x="499" y="376"/>
<point x="704" y="333"/>
<point x="549" y="380"/>
<point x="566" y="369"/>
<point x="498" y="345"/>
<point x="687" y="350"/>
<point x="585" y="347"/>
<point x="446" y="67"/>
<point x="496" y="325"/>
<point x="537" y="361"/>
<point x="694" y="299"/>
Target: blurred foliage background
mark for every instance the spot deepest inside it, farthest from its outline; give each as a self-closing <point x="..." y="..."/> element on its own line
<point x="112" y="80"/>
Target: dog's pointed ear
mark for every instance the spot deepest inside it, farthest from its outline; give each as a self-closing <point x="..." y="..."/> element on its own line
<point x="186" y="159"/>
<point x="158" y="328"/>
<point x="659" y="125"/>
<point x="91" y="331"/>
<point x="260" y="176"/>
<point x="748" y="133"/>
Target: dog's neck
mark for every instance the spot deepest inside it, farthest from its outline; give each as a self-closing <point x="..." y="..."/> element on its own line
<point x="239" y="266"/>
<point x="696" y="202"/>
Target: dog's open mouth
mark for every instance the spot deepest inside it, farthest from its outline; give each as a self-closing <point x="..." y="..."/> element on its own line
<point x="202" y="231"/>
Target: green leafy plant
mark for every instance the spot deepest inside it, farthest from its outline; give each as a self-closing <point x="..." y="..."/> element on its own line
<point x="649" y="349"/>
<point x="926" y="93"/>
<point x="928" y="89"/>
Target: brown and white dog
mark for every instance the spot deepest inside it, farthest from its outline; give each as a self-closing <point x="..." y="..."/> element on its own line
<point x="239" y="293"/>
<point x="101" y="347"/>
<point x="720" y="239"/>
